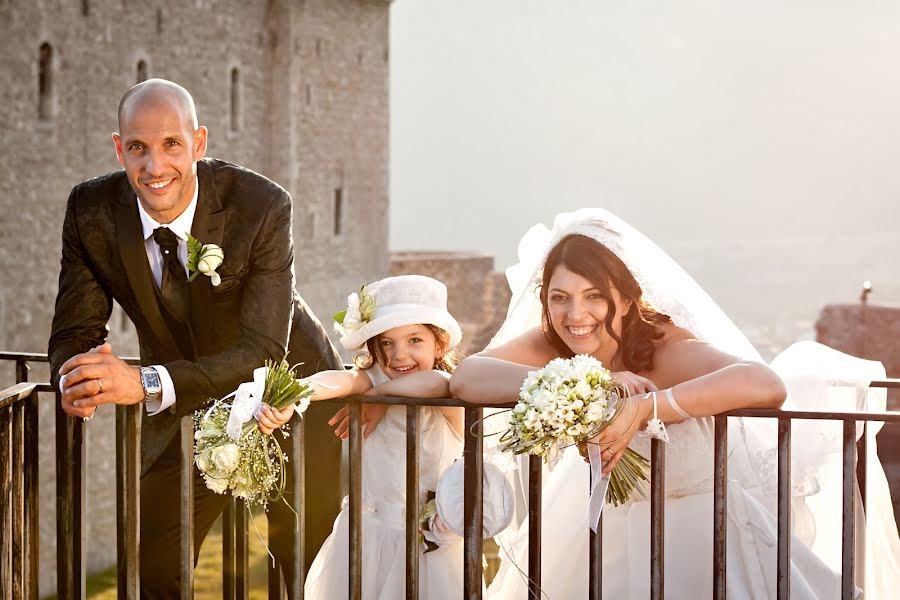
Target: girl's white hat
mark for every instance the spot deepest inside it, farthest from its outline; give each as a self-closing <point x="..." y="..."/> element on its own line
<point x="395" y="302"/>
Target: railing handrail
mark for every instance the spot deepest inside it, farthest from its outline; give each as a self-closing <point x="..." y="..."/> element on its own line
<point x="42" y="357"/>
<point x="13" y="394"/>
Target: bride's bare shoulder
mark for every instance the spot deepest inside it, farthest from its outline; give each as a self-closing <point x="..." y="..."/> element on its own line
<point x="671" y="334"/>
<point x="529" y="348"/>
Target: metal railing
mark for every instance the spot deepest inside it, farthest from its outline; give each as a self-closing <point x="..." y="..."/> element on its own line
<point x="19" y="500"/>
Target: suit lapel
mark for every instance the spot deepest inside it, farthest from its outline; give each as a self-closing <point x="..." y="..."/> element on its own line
<point x="130" y="240"/>
<point x="208" y="228"/>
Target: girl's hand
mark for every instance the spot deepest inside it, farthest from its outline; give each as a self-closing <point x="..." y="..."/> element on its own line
<point x="634" y="384"/>
<point x="371" y="417"/>
<point x="271" y="419"/>
<point x="615" y="438"/>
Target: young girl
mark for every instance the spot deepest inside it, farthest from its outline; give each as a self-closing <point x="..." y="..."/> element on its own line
<point x="410" y="340"/>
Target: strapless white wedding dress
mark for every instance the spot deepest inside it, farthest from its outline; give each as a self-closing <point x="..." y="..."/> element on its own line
<point x="752" y="533"/>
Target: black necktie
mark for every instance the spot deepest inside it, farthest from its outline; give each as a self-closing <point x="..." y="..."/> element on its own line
<point x="174" y="285"/>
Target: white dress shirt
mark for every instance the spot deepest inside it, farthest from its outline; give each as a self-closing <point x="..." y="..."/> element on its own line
<point x="181" y="226"/>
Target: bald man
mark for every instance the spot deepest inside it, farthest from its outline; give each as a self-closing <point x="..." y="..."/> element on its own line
<point x="125" y="239"/>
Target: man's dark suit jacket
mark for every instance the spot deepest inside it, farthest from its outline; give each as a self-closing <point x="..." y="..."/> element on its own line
<point x="234" y="327"/>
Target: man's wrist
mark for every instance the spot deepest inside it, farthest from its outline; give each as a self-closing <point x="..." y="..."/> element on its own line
<point x="151" y="383"/>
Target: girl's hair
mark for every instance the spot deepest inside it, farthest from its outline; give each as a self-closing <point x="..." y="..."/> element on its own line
<point x="596" y="263"/>
<point x="447" y="361"/>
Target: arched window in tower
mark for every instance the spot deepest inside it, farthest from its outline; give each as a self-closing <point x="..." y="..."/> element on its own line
<point x="235" y="99"/>
<point x="45" y="81"/>
<point x="85" y="8"/>
<point x="141" y="71"/>
<point x="338" y="210"/>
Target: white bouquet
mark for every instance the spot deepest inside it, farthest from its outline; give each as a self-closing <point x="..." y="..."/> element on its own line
<point x="570" y="401"/>
<point x="230" y="450"/>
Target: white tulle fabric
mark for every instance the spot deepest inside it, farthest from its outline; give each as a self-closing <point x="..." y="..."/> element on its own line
<point x="383" y="514"/>
<point x="818" y="378"/>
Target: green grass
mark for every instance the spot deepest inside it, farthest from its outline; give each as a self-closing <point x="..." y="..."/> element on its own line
<point x="208" y="574"/>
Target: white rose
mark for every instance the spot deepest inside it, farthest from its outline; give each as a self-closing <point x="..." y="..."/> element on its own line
<point x="225" y="457"/>
<point x="211" y="256"/>
<point x="203" y="462"/>
<point x="520" y="408"/>
<point x="217" y="485"/>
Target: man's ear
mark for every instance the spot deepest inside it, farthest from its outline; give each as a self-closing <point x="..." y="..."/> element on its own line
<point x="117" y="140"/>
<point x="200" y="143"/>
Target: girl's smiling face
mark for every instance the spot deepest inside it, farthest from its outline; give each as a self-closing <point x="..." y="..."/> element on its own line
<point x="406" y="350"/>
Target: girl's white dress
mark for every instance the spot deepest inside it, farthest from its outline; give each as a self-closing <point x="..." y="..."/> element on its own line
<point x="384" y="504"/>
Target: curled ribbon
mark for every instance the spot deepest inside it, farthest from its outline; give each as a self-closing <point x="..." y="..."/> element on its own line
<point x="599" y="484"/>
<point x="247" y="403"/>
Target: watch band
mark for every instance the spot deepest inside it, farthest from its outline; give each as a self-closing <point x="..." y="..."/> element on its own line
<point x="151" y="383"/>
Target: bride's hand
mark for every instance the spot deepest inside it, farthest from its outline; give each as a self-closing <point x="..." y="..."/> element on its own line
<point x="634" y="384"/>
<point x="613" y="440"/>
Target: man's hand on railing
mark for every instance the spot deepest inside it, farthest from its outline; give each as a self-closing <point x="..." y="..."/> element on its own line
<point x="98" y="377"/>
<point x="371" y="417"/>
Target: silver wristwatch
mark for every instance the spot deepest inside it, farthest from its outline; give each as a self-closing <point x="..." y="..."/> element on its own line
<point x="151" y="383"/>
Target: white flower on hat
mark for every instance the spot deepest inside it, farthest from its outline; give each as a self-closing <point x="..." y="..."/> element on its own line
<point x="360" y="310"/>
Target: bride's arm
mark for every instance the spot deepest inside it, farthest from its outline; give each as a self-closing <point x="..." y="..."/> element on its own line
<point x="706" y="381"/>
<point x="496" y="375"/>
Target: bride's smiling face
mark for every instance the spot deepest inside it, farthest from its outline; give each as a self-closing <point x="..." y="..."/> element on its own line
<point x="578" y="311"/>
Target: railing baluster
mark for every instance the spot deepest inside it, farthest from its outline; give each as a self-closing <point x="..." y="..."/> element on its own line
<point x="783" y="571"/>
<point x="187" y="506"/>
<point x="298" y="464"/>
<point x="128" y="505"/>
<point x="473" y="508"/>
<point x="32" y="510"/>
<point x="17" y="445"/>
<point x="241" y="555"/>
<point x="412" y="502"/>
<point x="657" y="518"/>
<point x="70" y="490"/>
<point x="535" y="515"/>
<point x="355" y="504"/>
<point x="228" y="570"/>
<point x="720" y="505"/>
<point x="848" y="520"/>
<point x="595" y="560"/>
<point x="862" y="466"/>
<point x="6" y="576"/>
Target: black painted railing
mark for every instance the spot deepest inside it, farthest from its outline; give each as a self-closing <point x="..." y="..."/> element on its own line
<point x="19" y="500"/>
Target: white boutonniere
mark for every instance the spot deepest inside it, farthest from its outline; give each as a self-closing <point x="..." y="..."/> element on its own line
<point x="204" y="258"/>
<point x="360" y="310"/>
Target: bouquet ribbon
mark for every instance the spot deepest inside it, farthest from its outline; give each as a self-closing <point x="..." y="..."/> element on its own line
<point x="247" y="402"/>
<point x="599" y="484"/>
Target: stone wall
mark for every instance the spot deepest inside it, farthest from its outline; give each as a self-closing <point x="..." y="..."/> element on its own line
<point x="872" y="332"/>
<point x="297" y="90"/>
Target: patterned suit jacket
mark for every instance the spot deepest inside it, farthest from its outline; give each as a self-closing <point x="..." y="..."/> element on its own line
<point x="234" y="327"/>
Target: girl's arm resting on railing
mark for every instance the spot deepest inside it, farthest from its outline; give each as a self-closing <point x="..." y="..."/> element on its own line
<point x="326" y="385"/>
<point x="426" y="384"/>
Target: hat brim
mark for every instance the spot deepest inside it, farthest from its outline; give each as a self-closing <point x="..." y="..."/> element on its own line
<point x="400" y="315"/>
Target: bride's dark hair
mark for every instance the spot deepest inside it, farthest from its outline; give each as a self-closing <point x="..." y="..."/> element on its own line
<point x="596" y="263"/>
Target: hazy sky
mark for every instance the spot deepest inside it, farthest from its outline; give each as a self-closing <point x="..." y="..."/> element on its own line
<point x="717" y="128"/>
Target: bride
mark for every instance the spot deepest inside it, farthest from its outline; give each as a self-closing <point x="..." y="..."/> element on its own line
<point x="594" y="285"/>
